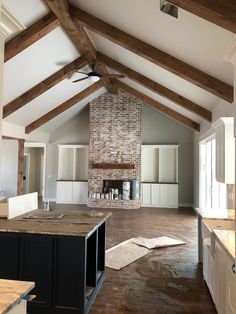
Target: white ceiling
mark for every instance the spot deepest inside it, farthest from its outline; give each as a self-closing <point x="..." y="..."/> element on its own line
<point x="189" y="38"/>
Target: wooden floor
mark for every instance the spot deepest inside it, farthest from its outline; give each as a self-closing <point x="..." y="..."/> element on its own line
<point x="166" y="281"/>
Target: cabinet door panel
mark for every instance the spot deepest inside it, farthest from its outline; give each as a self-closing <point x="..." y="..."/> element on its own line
<point x="164" y="195"/>
<point x="9" y="246"/>
<point x="155" y="194"/>
<point x="64" y="192"/>
<point x="231" y="289"/>
<point x="69" y="272"/>
<point x="172" y="195"/>
<point x="36" y="256"/>
<point x="146" y="194"/>
<point x="220" y="256"/>
<point x="76" y="192"/>
<point x="83" y="192"/>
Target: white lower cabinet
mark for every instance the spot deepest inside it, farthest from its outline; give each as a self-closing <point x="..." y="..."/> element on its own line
<point x="72" y="192"/>
<point x="160" y="195"/>
<point x="220" y="278"/>
<point x="220" y="258"/>
<point x="230" y="288"/>
<point x="209" y="268"/>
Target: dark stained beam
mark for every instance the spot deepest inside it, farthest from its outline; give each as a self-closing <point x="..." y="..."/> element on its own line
<point x="152" y="102"/>
<point x="30" y="35"/>
<point x="78" y="35"/>
<point x="43" y="86"/>
<point x="75" y="31"/>
<point x="63" y="107"/>
<point x="155" y="87"/>
<point x="221" y="12"/>
<point x="155" y="55"/>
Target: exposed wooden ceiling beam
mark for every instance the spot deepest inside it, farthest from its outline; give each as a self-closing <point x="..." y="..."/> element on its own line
<point x="63" y="107"/>
<point x="78" y="35"/>
<point x="75" y="31"/>
<point x="155" y="55"/>
<point x="30" y="35"/>
<point x="155" y="87"/>
<point x="43" y="86"/>
<point x="221" y="12"/>
<point x="152" y="102"/>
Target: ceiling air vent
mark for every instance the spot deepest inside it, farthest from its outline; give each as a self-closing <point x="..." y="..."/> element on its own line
<point x="169" y="8"/>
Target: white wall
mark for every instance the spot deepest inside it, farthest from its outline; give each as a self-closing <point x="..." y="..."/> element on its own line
<point x="9" y="167"/>
<point x="160" y="129"/>
<point x="223" y="109"/>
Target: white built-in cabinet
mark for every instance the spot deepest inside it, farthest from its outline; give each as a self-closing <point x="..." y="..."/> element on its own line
<point x="159" y="172"/>
<point x="225" y="150"/>
<point x="220" y="278"/>
<point x="72" y="183"/>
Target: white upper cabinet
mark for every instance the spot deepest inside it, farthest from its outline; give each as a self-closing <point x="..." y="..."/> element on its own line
<point x="73" y="162"/>
<point x="225" y="150"/>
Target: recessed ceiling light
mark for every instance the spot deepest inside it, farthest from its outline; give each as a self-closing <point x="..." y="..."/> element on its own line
<point x="169" y="8"/>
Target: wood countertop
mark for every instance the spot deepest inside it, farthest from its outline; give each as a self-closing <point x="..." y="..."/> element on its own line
<point x="73" y="223"/>
<point x="216" y="213"/>
<point x="227" y="240"/>
<point x="11" y="292"/>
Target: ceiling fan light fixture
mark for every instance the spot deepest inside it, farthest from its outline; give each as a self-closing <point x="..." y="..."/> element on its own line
<point x="94" y="78"/>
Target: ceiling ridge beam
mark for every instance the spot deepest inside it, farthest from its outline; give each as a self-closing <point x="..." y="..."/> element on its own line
<point x="221" y="13"/>
<point x="78" y="35"/>
<point x="30" y="35"/>
<point x="152" y="102"/>
<point x="154" y="55"/>
<point x="63" y="107"/>
<point x="43" y="86"/>
<point x="156" y="87"/>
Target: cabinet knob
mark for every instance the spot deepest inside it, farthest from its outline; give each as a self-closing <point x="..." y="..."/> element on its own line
<point x="233" y="268"/>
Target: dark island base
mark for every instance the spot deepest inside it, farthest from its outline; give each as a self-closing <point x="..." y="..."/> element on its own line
<point x="68" y="271"/>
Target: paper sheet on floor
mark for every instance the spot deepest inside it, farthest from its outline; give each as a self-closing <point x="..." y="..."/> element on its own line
<point x="157" y="242"/>
<point x="124" y="253"/>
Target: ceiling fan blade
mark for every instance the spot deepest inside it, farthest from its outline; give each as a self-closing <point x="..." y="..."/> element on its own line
<point x="113" y="75"/>
<point x="81" y="72"/>
<point x="84" y="78"/>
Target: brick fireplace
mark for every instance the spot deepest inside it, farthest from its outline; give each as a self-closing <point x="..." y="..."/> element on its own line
<point x="114" y="146"/>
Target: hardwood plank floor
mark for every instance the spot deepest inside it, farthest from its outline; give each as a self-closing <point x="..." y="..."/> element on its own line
<point x="166" y="281"/>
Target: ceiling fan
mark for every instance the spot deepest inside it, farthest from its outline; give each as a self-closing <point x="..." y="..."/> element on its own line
<point x="95" y="75"/>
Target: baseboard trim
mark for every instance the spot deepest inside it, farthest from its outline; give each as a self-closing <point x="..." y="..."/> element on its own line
<point x="186" y="205"/>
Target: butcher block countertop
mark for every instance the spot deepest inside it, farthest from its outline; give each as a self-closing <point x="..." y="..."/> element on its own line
<point x="73" y="223"/>
<point x="227" y="240"/>
<point x="216" y="213"/>
<point x="11" y="292"/>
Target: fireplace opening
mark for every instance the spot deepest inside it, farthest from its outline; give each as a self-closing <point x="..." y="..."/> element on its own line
<point x="113" y="189"/>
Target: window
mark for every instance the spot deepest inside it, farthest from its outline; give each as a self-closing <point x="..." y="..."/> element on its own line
<point x="212" y="194"/>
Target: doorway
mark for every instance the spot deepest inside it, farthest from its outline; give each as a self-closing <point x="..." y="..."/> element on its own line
<point x="212" y="193"/>
<point x="34" y="168"/>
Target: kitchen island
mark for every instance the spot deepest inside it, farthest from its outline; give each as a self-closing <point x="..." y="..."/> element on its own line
<point x="65" y="257"/>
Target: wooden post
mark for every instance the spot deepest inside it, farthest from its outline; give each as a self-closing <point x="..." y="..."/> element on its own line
<point x="21" y="143"/>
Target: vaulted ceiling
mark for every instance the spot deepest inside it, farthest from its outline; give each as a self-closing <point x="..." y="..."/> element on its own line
<point x="173" y="65"/>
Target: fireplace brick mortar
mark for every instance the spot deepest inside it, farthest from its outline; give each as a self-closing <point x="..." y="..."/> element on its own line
<point x="115" y="137"/>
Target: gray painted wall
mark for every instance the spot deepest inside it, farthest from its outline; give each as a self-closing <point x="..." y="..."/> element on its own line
<point x="9" y="167"/>
<point x="160" y="129"/>
<point x="156" y="129"/>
